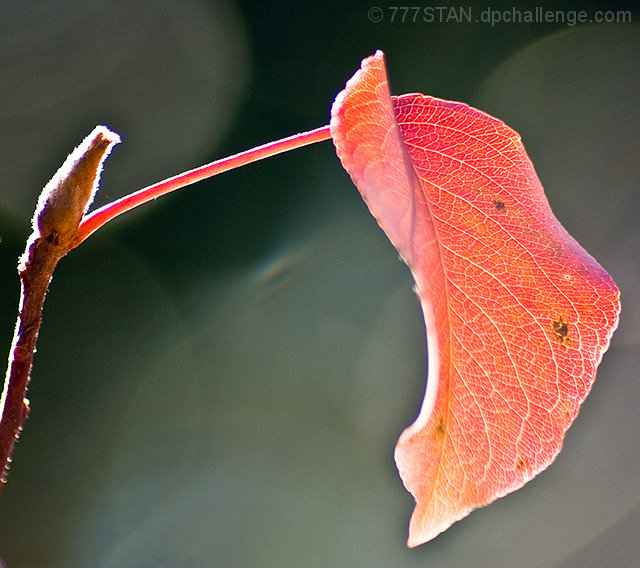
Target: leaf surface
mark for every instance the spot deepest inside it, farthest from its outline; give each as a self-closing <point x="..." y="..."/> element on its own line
<point x="517" y="313"/>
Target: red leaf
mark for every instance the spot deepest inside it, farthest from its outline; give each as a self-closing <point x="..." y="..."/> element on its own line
<point x="517" y="313"/>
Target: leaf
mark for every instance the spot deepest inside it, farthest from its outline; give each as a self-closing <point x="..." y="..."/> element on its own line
<point x="518" y="315"/>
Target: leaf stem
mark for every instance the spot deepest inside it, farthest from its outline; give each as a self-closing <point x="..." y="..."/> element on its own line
<point x="93" y="221"/>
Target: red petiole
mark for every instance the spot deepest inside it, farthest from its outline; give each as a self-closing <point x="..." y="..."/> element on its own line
<point x="93" y="221"/>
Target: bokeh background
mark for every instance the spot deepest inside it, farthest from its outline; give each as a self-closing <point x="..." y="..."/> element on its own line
<point x="221" y="376"/>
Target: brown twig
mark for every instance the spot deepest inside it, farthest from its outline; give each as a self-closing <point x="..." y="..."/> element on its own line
<point x="61" y="206"/>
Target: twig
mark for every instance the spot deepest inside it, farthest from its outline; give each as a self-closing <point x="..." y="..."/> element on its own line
<point x="60" y="209"/>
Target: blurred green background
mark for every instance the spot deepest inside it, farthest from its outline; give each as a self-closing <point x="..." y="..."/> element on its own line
<point x="221" y="376"/>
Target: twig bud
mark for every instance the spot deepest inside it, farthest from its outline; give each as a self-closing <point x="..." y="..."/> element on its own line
<point x="65" y="199"/>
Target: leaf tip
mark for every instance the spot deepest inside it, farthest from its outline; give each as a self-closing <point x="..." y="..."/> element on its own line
<point x="377" y="60"/>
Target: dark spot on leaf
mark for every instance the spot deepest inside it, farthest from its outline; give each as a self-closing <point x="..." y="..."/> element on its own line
<point x="499" y="204"/>
<point x="440" y="428"/>
<point x="568" y="415"/>
<point x="561" y="330"/>
<point x="521" y="464"/>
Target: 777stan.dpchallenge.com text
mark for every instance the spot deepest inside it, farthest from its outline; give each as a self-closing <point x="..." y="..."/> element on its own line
<point x="492" y="16"/>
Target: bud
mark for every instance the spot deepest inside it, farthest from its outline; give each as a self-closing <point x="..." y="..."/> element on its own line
<point x="65" y="199"/>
